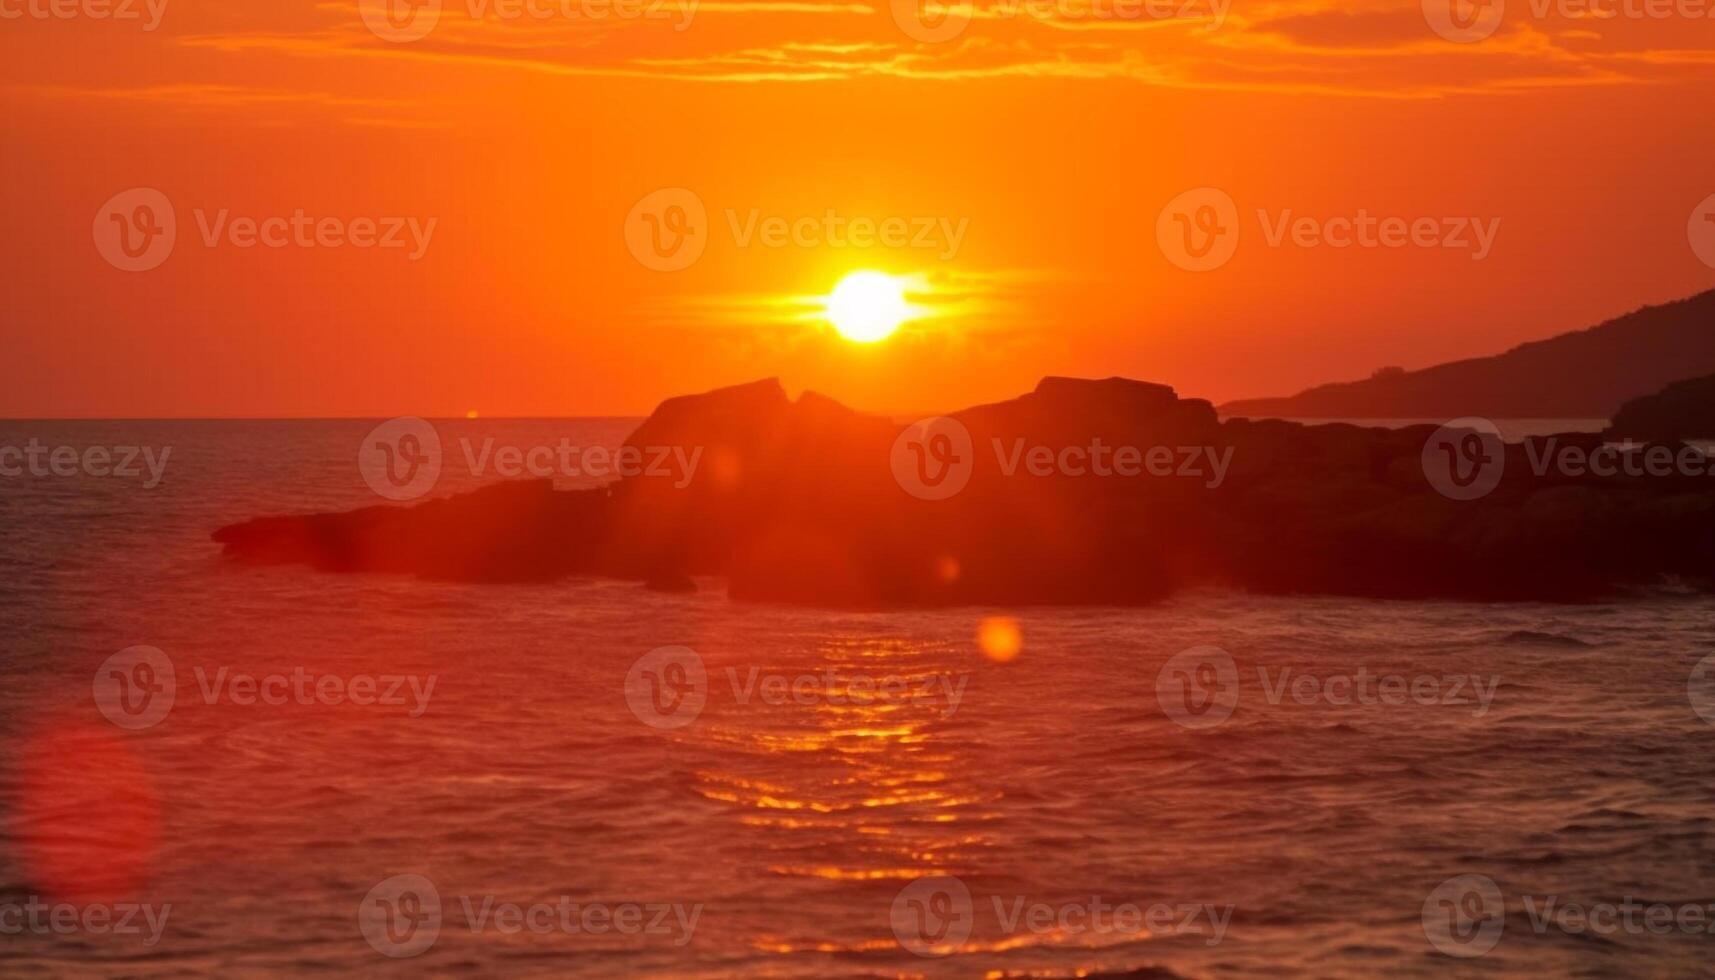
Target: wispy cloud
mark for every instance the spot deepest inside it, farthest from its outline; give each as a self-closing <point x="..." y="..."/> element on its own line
<point x="1303" y="47"/>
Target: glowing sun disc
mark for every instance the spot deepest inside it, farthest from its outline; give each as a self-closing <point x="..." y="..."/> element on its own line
<point x="868" y="306"/>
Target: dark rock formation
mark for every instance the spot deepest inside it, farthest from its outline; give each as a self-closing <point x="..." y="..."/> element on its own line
<point x="1683" y="410"/>
<point x="1587" y="374"/>
<point x="799" y="501"/>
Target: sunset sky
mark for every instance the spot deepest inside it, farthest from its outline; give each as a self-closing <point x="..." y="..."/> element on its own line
<point x="1051" y="139"/>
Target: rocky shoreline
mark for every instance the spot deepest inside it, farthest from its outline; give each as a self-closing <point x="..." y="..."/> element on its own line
<point x="1080" y="492"/>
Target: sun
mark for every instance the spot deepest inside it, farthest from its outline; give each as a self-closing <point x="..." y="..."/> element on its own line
<point x="868" y="306"/>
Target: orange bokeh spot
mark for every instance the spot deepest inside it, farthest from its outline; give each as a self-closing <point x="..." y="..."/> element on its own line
<point x="999" y="638"/>
<point x="88" y="817"/>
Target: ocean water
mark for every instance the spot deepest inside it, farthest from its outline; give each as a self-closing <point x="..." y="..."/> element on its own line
<point x="1273" y="813"/>
<point x="1511" y="430"/>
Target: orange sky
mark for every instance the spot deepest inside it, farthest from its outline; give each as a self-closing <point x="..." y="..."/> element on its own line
<point x="1051" y="136"/>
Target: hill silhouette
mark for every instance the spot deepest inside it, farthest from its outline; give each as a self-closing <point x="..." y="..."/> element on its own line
<point x="1587" y="374"/>
<point x="1684" y="410"/>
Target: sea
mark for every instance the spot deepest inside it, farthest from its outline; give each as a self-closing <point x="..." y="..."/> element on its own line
<point x="212" y="769"/>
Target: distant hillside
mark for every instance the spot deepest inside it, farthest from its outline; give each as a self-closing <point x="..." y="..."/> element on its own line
<point x="1587" y="374"/>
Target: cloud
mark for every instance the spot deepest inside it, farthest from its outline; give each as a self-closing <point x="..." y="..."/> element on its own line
<point x="1306" y="47"/>
<point x="1345" y="28"/>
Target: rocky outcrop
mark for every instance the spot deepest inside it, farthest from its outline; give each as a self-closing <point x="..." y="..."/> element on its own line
<point x="1681" y="411"/>
<point x="802" y="501"/>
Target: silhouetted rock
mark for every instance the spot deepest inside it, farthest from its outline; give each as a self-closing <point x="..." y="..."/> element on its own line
<point x="1583" y="375"/>
<point x="1681" y="411"/>
<point x="799" y="501"/>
